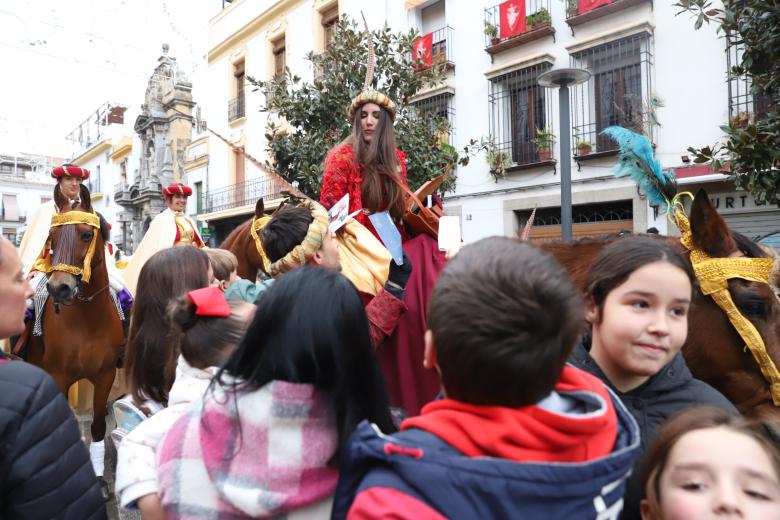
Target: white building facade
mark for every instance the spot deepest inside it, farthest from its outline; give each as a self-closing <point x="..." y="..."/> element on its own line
<point x="25" y="183"/>
<point x="637" y="51"/>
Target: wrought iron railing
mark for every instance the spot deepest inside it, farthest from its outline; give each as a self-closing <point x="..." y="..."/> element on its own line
<point x="242" y="194"/>
<point x="435" y="109"/>
<point x="746" y="106"/>
<point x="537" y="14"/>
<point x="441" y="45"/>
<point x="618" y="93"/>
<point x="520" y="110"/>
<point x="236" y="108"/>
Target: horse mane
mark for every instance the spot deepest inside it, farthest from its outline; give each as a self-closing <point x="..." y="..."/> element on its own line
<point x="748" y="247"/>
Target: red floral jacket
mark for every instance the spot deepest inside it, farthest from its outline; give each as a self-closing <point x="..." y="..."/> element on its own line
<point x="344" y="175"/>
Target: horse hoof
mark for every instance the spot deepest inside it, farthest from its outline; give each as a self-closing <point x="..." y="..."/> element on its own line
<point x="104" y="490"/>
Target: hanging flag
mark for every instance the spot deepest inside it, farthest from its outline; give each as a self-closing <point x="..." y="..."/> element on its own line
<point x="422" y="51"/>
<point x="512" y="13"/>
<point x="589" y="5"/>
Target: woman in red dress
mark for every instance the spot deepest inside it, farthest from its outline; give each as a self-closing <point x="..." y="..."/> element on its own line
<point x="362" y="165"/>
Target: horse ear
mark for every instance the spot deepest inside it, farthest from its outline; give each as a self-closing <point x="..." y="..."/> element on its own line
<point x="103" y="228"/>
<point x="708" y="229"/>
<point x="86" y="198"/>
<point x="259" y="208"/>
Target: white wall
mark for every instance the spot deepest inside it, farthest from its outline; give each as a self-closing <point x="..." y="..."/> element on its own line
<point x="689" y="71"/>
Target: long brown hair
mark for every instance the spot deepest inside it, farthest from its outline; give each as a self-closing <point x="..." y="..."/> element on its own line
<point x="151" y="357"/>
<point x="692" y="419"/>
<point x="379" y="162"/>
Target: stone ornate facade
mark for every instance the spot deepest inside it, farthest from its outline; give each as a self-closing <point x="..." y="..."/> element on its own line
<point x="164" y="129"/>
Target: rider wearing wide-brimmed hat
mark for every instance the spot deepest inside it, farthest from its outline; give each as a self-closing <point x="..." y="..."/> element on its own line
<point x="170" y="228"/>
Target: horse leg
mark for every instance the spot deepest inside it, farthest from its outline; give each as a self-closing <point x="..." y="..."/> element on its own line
<point x="97" y="448"/>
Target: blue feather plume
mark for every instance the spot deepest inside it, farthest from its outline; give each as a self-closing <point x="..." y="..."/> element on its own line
<point x="636" y="160"/>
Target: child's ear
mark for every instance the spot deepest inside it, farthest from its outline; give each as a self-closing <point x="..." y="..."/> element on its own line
<point x="644" y="508"/>
<point x="591" y="311"/>
<point x="429" y="357"/>
<point x="223" y="285"/>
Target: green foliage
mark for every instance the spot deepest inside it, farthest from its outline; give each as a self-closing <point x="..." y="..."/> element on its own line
<point x="544" y="139"/>
<point x="312" y="115"/>
<point x="539" y="17"/>
<point x="497" y="159"/>
<point x="491" y="30"/>
<point x="751" y="151"/>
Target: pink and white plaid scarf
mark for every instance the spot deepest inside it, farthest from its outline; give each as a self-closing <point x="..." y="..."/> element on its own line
<point x="259" y="453"/>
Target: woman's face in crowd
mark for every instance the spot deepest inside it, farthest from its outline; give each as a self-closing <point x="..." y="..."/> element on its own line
<point x="369" y="120"/>
<point x="14" y="290"/>
<point x="718" y="473"/>
<point x="642" y="325"/>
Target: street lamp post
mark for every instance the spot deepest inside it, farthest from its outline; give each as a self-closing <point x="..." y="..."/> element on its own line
<point x="562" y="78"/>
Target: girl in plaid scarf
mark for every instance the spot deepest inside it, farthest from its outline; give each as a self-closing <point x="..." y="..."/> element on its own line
<point x="265" y="440"/>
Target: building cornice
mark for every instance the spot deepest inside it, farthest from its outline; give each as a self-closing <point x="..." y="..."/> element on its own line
<point x="122" y="149"/>
<point x="612" y="34"/>
<point x="91" y="153"/>
<point x="519" y="64"/>
<point x="250" y="28"/>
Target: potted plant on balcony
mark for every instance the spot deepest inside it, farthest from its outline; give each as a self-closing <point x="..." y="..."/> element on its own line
<point x="540" y="17"/>
<point x="572" y="7"/>
<point x="544" y="141"/>
<point x="492" y="32"/>
<point x="583" y="147"/>
<point x="498" y="161"/>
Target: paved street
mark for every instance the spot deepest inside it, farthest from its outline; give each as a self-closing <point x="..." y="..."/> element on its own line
<point x="113" y="511"/>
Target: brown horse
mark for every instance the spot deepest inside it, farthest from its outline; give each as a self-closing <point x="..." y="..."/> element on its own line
<point x="82" y="333"/>
<point x="713" y="350"/>
<point x="241" y="243"/>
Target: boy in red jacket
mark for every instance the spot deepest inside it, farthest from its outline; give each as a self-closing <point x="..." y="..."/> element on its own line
<point x="518" y="433"/>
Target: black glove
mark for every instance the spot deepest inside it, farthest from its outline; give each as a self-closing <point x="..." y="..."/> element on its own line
<point x="399" y="275"/>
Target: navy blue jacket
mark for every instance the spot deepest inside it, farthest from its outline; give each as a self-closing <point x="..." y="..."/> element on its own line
<point x="421" y="465"/>
<point x="44" y="466"/>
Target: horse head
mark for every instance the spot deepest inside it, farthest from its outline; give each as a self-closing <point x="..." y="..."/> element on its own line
<point x="710" y="352"/>
<point x="77" y="239"/>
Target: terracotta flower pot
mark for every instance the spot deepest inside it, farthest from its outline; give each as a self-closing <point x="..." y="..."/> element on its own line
<point x="584" y="150"/>
<point x="544" y="154"/>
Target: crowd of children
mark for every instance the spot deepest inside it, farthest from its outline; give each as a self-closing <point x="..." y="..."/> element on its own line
<point x="552" y="405"/>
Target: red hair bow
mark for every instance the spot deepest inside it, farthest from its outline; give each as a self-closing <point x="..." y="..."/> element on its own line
<point x="209" y="301"/>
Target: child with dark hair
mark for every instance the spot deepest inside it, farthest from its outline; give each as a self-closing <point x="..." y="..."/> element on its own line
<point x="299" y="235"/>
<point x="638" y="292"/>
<point x="518" y="434"/>
<point x="205" y="329"/>
<point x="265" y="440"/>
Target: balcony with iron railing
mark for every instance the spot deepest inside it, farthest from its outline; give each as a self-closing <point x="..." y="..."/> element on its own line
<point x="538" y="24"/>
<point x="440" y="51"/>
<point x="236" y="108"/>
<point x="582" y="11"/>
<point x="242" y="194"/>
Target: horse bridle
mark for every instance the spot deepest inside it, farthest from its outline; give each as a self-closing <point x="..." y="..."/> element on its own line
<point x="713" y="275"/>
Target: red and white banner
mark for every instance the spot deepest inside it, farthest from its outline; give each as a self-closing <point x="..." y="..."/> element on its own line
<point x="422" y="51"/>
<point x="512" y="14"/>
<point x="588" y="5"/>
